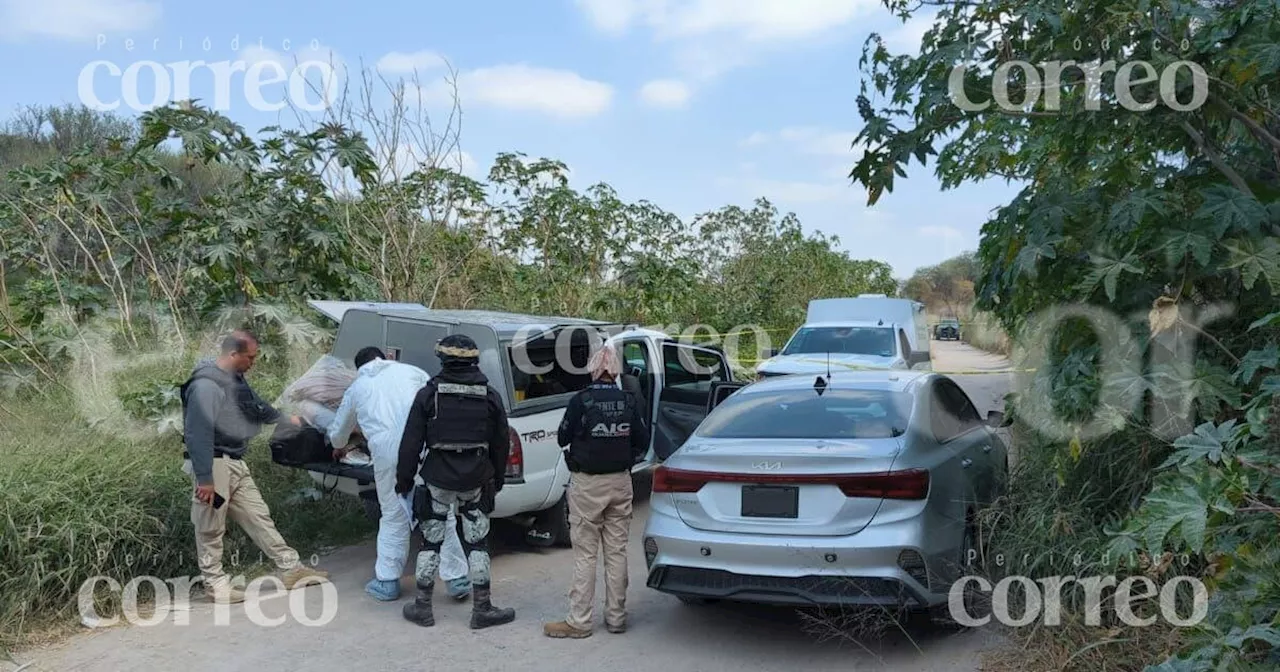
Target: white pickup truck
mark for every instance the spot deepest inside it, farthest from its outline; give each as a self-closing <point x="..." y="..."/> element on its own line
<point x="674" y="380"/>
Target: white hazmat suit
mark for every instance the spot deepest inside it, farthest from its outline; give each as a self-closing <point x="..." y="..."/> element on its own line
<point x="379" y="401"/>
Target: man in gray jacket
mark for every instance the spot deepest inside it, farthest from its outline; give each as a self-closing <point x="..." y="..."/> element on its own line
<point x="221" y="414"/>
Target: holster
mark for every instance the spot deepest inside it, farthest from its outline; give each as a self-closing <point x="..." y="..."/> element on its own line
<point x="421" y="502"/>
<point x="488" y="497"/>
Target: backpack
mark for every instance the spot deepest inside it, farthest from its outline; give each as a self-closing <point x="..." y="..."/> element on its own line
<point x="292" y="445"/>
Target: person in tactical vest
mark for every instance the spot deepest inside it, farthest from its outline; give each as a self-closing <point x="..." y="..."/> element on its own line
<point x="456" y="443"/>
<point x="221" y="413"/>
<point x="605" y="431"/>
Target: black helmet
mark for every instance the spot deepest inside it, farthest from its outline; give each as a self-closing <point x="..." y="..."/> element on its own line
<point x="457" y="350"/>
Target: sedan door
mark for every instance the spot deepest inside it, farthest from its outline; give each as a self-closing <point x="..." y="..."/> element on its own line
<point x="961" y="432"/>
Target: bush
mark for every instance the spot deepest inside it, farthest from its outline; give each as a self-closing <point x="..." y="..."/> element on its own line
<point x="77" y="502"/>
<point x="983" y="331"/>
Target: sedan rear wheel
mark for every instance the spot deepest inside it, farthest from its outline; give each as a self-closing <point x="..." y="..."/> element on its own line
<point x="940" y="615"/>
<point x="972" y="596"/>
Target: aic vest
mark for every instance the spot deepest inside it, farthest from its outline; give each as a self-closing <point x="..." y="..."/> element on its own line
<point x="602" y="441"/>
<point x="233" y="427"/>
<point x="461" y="418"/>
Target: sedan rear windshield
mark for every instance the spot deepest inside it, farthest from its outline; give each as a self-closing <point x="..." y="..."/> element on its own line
<point x="802" y="414"/>
<point x="874" y="341"/>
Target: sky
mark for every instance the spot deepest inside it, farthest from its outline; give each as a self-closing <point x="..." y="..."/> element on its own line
<point x="689" y="104"/>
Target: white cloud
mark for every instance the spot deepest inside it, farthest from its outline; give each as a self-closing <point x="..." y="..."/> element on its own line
<point x="559" y="93"/>
<point x="668" y="93"/>
<point x="711" y="37"/>
<point x="751" y="20"/>
<point x="401" y="63"/>
<point x="809" y="140"/>
<point x="613" y="16"/>
<point x="75" y="19"/>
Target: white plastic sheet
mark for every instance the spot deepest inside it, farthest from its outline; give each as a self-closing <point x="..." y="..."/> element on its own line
<point x="316" y="395"/>
<point x="324" y="383"/>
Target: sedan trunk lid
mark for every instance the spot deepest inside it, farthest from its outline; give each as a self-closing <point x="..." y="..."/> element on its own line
<point x="805" y="487"/>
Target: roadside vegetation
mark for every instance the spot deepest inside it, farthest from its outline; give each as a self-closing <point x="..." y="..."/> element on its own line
<point x="1170" y="464"/>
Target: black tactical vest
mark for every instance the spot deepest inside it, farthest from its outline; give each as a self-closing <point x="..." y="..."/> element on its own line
<point x="234" y="426"/>
<point x="461" y="418"/>
<point x="602" y="441"/>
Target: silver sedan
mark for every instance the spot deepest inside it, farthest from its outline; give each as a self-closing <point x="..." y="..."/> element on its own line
<point x="853" y="489"/>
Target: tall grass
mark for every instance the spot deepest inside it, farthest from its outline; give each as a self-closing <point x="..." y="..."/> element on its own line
<point x="982" y="331"/>
<point x="78" y="501"/>
<point x="1053" y="522"/>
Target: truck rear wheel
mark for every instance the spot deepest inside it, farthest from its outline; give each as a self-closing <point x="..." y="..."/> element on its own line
<point x="551" y="526"/>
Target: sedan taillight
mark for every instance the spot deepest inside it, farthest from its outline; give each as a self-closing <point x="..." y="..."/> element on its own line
<point x="679" y="480"/>
<point x="904" y="484"/>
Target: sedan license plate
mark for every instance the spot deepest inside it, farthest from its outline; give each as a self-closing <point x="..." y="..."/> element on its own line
<point x="770" y="501"/>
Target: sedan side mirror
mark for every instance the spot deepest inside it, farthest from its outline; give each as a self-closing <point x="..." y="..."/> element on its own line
<point x="997" y="419"/>
<point x="771" y="352"/>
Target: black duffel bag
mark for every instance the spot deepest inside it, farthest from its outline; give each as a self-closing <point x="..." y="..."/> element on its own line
<point x="293" y="445"/>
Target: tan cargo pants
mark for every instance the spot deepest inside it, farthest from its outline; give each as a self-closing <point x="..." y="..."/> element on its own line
<point x="599" y="524"/>
<point x="246" y="507"/>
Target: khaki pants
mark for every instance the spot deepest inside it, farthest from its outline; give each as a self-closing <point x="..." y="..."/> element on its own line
<point x="245" y="506"/>
<point x="599" y="523"/>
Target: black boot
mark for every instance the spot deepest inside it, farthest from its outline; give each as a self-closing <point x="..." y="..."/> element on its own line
<point x="483" y="613"/>
<point x="419" y="610"/>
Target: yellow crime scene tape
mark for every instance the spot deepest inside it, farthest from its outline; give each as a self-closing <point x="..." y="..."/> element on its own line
<point x="855" y="367"/>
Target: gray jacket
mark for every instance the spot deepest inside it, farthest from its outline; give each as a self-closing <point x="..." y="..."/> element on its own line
<point x="220" y="413"/>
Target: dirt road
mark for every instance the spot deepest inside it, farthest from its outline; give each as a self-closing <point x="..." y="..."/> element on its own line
<point x="664" y="634"/>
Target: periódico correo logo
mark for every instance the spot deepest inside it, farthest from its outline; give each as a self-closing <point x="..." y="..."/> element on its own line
<point x="1047" y="79"/>
<point x="312" y="85"/>
<point x="171" y="598"/>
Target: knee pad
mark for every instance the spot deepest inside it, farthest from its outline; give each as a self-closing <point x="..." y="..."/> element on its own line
<point x="433" y="532"/>
<point x="474" y="524"/>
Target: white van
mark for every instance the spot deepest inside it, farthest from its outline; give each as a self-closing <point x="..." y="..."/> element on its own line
<point x="674" y="380"/>
<point x="867" y="331"/>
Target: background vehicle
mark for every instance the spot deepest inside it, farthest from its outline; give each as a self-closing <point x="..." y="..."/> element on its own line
<point x="861" y="491"/>
<point x="947" y="330"/>
<point x="518" y="355"/>
<point x="868" y="331"/>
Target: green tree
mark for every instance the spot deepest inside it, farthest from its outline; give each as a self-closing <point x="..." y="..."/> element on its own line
<point x="1154" y="214"/>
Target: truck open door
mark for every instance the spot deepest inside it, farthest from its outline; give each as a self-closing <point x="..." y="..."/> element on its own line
<point x="684" y="395"/>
